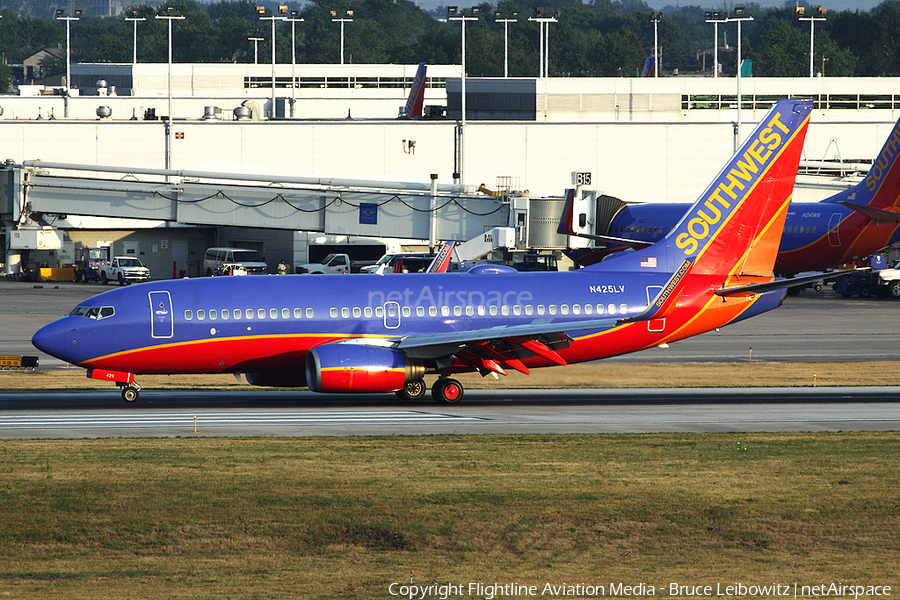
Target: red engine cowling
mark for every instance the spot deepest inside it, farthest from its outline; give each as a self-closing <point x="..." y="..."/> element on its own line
<point x="337" y="368"/>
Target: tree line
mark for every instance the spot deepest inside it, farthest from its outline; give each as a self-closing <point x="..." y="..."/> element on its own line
<point x="601" y="38"/>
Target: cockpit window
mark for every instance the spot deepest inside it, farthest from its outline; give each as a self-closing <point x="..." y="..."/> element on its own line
<point x="93" y="312"/>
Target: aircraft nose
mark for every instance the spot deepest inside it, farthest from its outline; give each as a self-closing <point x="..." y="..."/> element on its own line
<point x="55" y="339"/>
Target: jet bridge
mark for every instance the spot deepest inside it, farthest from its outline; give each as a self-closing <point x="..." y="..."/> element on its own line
<point x="336" y="206"/>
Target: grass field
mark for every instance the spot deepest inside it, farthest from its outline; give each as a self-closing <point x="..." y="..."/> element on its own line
<point x="346" y="517"/>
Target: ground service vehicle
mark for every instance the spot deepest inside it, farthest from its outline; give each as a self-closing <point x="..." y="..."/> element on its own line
<point x="124" y="270"/>
<point x="89" y="262"/>
<point x="233" y="261"/>
<point x="332" y="263"/>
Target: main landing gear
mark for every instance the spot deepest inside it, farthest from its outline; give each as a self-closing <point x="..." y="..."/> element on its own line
<point x="444" y="390"/>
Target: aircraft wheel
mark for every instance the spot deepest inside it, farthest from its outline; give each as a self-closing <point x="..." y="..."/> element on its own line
<point x="130" y="394"/>
<point x="121" y="279"/>
<point x="447" y="391"/>
<point x="103" y="278"/>
<point x="817" y="287"/>
<point x="84" y="277"/>
<point x="413" y="390"/>
<point x="865" y="292"/>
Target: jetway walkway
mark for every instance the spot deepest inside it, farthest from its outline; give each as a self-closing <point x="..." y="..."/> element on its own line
<point x="428" y="211"/>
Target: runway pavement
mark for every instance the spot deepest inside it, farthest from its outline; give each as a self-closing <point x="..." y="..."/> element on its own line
<point x="166" y="413"/>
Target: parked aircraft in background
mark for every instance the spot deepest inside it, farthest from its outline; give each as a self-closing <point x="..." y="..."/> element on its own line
<point x="416" y="99"/>
<point x="850" y="225"/>
<point x="386" y="334"/>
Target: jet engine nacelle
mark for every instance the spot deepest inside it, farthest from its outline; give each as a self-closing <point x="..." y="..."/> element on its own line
<point x="356" y="368"/>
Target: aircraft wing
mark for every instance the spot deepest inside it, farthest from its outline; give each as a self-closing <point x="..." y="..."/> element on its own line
<point x="493" y="348"/>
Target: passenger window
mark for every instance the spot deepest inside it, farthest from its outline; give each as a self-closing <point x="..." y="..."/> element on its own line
<point x="517" y="310"/>
<point x="611" y="309"/>
<point x="405" y="311"/>
<point x="432" y="311"/>
<point x="470" y="311"/>
<point x="529" y="309"/>
<point x="273" y="313"/>
<point x="345" y="312"/>
<point x="201" y="315"/>
<point x="237" y="314"/>
<point x="261" y="313"/>
<point x="600" y="309"/>
<point x="623" y="308"/>
<point x="379" y="311"/>
<point x="357" y="312"/>
<point x="420" y="311"/>
<point x="298" y="313"/>
<point x="457" y="311"/>
<point x="248" y="313"/>
<point x="552" y="309"/>
<point x="310" y="313"/>
<point x="285" y="313"/>
<point x="588" y="309"/>
<point x="481" y="311"/>
<point x="213" y="314"/>
<point x="493" y="310"/>
<point x="368" y="312"/>
<point x="564" y="309"/>
<point x="445" y="311"/>
<point x="188" y="315"/>
<point x="540" y="309"/>
<point x="334" y="313"/>
<point x="576" y="309"/>
<point x="225" y="314"/>
<point x="504" y="310"/>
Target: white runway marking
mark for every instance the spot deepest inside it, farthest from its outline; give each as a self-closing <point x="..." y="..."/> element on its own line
<point x="230" y="418"/>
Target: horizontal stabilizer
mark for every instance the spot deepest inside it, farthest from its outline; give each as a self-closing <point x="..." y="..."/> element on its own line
<point x="780" y="284"/>
<point x="876" y="214"/>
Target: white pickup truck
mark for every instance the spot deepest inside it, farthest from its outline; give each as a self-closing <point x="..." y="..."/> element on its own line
<point x="333" y="263"/>
<point x="889" y="279"/>
<point x="124" y="270"/>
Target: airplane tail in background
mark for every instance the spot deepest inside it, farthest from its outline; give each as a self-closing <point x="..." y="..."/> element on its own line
<point x="414" y="103"/>
<point x="735" y="227"/>
<point x="878" y="195"/>
<point x="648" y="67"/>
<point x="441" y="262"/>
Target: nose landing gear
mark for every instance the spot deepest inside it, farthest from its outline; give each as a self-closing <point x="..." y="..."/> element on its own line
<point x="130" y="389"/>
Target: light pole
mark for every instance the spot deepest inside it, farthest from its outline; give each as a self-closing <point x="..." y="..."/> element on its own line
<point x="654" y="18"/>
<point x="498" y="18"/>
<point x="345" y="19"/>
<point x="715" y="17"/>
<point x="261" y="10"/>
<point x="453" y="14"/>
<point x="169" y="16"/>
<point x="135" y="19"/>
<point x="256" y="41"/>
<point x="739" y="17"/>
<point x="293" y="19"/>
<point x="541" y="20"/>
<point x="820" y="16"/>
<point x="61" y="16"/>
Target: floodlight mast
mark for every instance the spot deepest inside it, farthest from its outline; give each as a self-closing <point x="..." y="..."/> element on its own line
<point x="135" y="19"/>
<point x="261" y="11"/>
<point x="738" y="17"/>
<point x="346" y="19"/>
<point x="820" y="16"/>
<point x="454" y="14"/>
<point x="506" y="21"/>
<point x="293" y="20"/>
<point x="61" y="16"/>
<point x="169" y="16"/>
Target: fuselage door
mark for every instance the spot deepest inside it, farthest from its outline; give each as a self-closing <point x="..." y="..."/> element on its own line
<point x="834" y="238"/>
<point x="654" y="325"/>
<point x="391" y="315"/>
<point x="161" y="324"/>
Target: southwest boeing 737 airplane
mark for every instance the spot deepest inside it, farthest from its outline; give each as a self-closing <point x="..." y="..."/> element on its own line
<point x="378" y="334"/>
<point x="850" y="225"/>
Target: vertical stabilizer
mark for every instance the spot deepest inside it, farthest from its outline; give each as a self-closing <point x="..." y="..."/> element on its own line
<point x="735" y="227"/>
<point x="413" y="108"/>
<point x="880" y="188"/>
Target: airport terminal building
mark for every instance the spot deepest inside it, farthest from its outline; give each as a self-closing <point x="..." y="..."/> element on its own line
<point x="637" y="139"/>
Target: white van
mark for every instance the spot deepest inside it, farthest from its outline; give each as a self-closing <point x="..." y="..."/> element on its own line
<point x="233" y="261"/>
